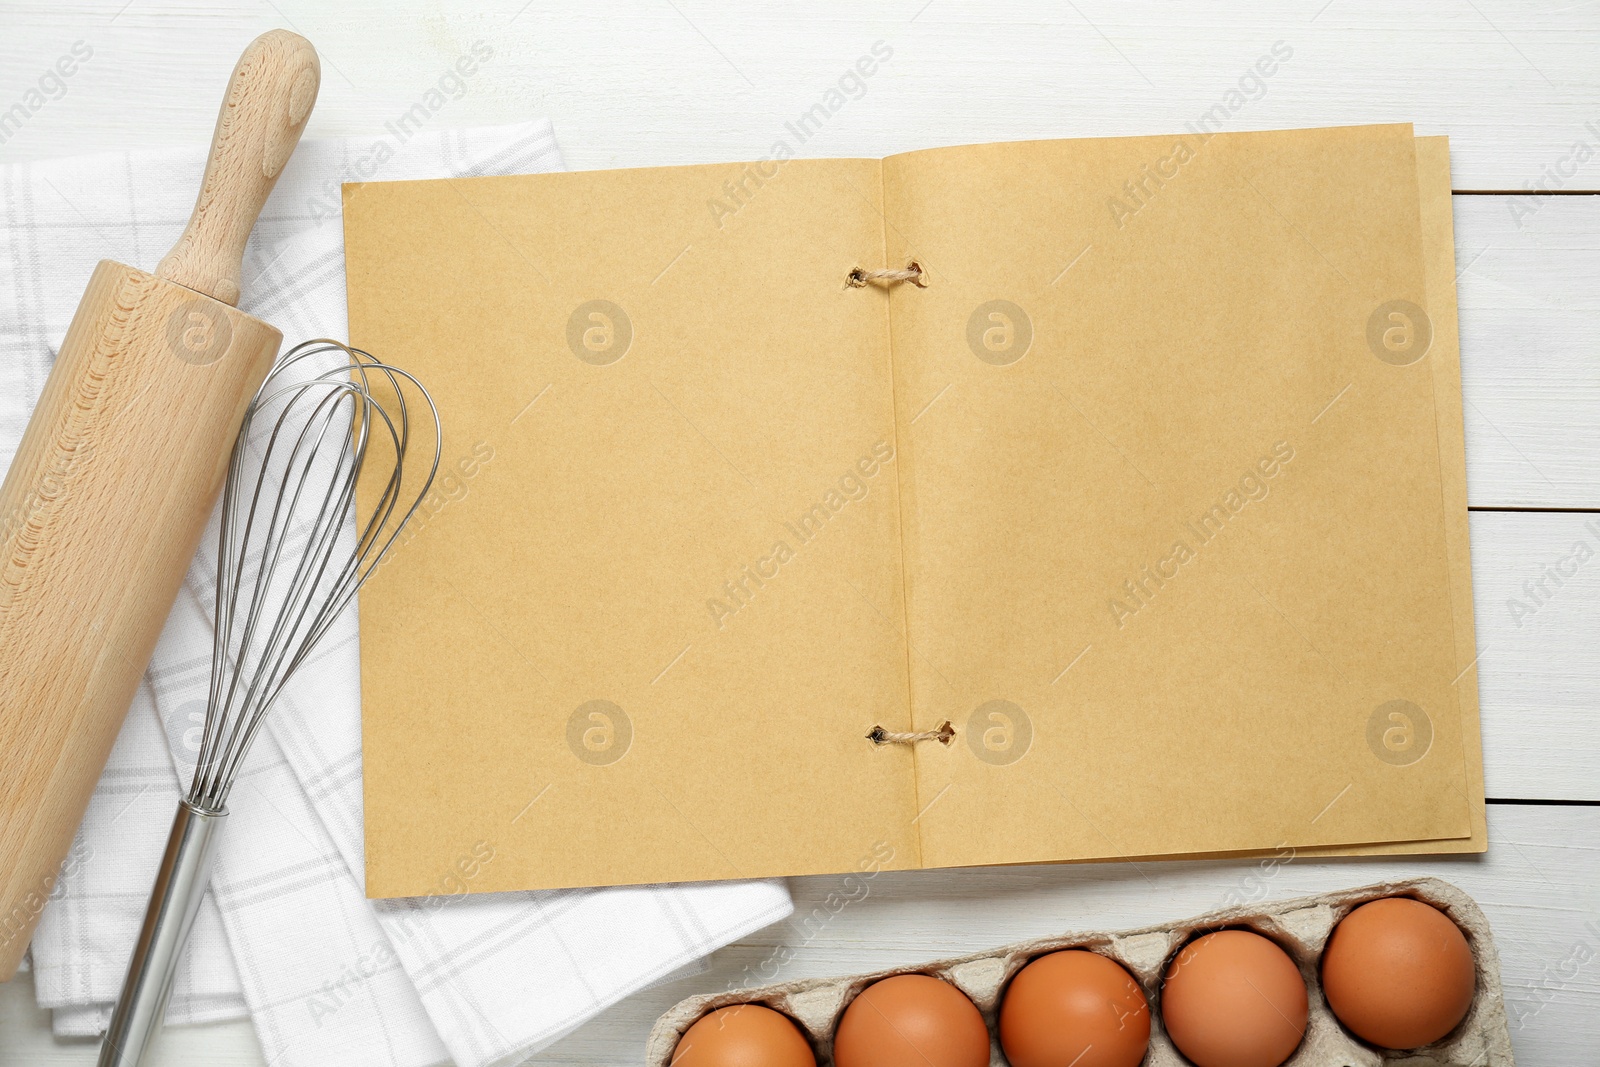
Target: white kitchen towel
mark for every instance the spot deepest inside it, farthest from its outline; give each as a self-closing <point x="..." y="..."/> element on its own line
<point x="326" y="975"/>
<point x="83" y="940"/>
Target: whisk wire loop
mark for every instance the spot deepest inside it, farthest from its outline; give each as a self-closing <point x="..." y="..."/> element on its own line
<point x="294" y="547"/>
<point x="293" y="552"/>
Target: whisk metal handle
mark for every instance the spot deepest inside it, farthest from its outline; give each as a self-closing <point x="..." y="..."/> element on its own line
<point x="174" y="903"/>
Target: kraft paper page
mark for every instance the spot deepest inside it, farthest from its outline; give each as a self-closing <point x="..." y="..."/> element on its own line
<point x="1173" y="529"/>
<point x="708" y="516"/>
<point x="1402" y="741"/>
<point x="1404" y="744"/>
<point x="646" y="630"/>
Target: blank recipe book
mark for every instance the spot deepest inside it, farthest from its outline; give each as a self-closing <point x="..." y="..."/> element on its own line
<point x="1009" y="503"/>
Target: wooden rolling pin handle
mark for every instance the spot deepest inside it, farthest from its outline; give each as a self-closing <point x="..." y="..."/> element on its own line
<point x="268" y="101"/>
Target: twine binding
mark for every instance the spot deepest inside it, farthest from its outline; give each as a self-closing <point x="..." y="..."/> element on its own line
<point x="944" y="735"/>
<point x="861" y="278"/>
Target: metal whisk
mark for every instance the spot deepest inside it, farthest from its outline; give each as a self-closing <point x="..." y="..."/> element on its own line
<point x="295" y="546"/>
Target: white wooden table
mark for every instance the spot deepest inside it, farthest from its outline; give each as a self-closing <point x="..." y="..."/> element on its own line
<point x="1515" y="83"/>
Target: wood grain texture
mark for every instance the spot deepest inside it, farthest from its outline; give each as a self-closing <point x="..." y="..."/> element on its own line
<point x="1529" y="287"/>
<point x="264" y="110"/>
<point x="1536" y="595"/>
<point x="102" y="510"/>
<point x="645" y="82"/>
<point x="123" y="457"/>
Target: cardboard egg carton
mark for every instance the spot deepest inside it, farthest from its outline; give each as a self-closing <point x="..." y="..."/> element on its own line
<point x="1300" y="926"/>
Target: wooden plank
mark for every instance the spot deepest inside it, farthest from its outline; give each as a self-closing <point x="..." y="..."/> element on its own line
<point x="1529" y="290"/>
<point x="1513" y="81"/>
<point x="1514" y="84"/>
<point x="1536" y="884"/>
<point x="1536" y="593"/>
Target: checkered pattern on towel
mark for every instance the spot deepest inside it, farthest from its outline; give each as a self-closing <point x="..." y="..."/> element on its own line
<point x="286" y="935"/>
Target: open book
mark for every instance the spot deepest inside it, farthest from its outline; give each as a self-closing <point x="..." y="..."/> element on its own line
<point x="1127" y="519"/>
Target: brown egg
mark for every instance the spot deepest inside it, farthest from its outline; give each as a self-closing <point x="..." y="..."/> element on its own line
<point x="1398" y="973"/>
<point x="1234" y="999"/>
<point x="1074" y="1007"/>
<point x="911" y="1020"/>
<point x="744" y="1035"/>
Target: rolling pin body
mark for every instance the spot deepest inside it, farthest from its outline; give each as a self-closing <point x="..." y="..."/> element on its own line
<point x="116" y="475"/>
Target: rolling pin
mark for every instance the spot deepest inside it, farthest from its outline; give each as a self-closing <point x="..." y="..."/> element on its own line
<point x="121" y="462"/>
